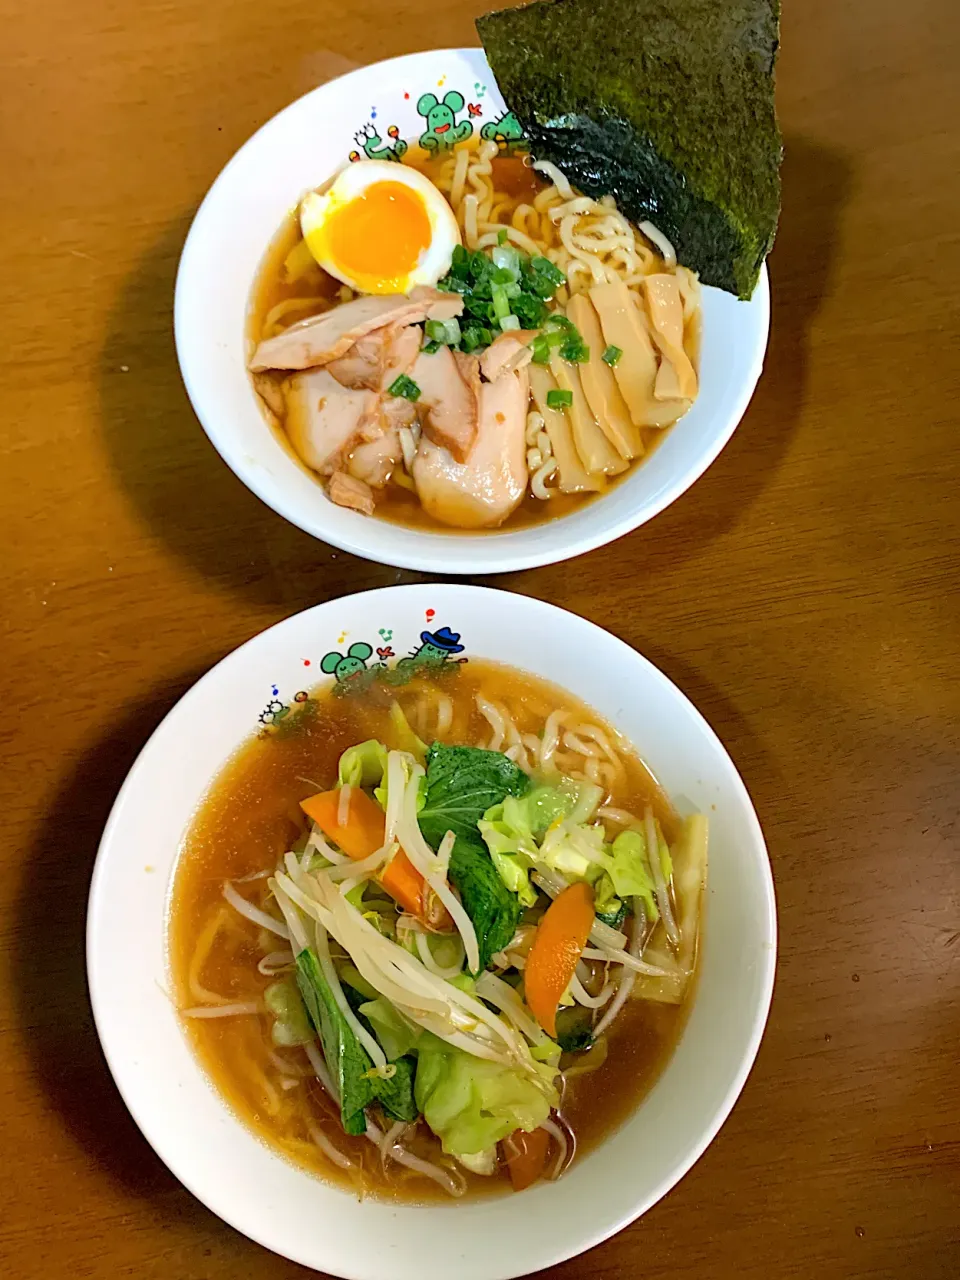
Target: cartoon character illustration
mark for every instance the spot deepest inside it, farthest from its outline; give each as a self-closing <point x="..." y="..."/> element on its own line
<point x="442" y="131"/>
<point x="346" y="666"/>
<point x="374" y="147"/>
<point x="273" y="711"/>
<point x="507" y="129"/>
<point x="436" y="648"/>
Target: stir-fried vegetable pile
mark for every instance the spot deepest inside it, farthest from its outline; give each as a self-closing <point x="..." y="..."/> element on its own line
<point x="457" y="927"/>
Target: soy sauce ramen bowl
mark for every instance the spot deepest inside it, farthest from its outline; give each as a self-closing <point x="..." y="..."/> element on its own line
<point x="191" y="1127"/>
<point x="366" y="113"/>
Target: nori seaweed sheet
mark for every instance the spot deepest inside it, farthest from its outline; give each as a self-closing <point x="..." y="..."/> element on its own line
<point x="667" y="105"/>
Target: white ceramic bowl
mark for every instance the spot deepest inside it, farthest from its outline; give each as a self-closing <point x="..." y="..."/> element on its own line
<point x="217" y="1157"/>
<point x="300" y="148"/>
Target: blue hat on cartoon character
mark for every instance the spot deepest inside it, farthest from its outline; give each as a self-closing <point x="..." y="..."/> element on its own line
<point x="443" y="638"/>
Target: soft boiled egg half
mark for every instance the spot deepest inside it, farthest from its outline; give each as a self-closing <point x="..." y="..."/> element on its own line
<point x="381" y="227"/>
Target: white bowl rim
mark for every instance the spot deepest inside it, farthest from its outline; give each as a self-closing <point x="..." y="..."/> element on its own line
<point x="152" y="1127"/>
<point x="445" y="552"/>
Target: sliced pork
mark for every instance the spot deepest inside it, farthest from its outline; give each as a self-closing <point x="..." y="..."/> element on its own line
<point x="481" y="492"/>
<point x="447" y="405"/>
<point x="323" y="418"/>
<point x="347" y="491"/>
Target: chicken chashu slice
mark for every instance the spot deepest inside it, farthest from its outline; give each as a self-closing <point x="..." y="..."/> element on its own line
<point x="481" y="492"/>
<point x="320" y="339"/>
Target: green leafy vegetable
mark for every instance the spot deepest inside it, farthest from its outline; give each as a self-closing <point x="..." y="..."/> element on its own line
<point x="605" y="900"/>
<point x="362" y="765"/>
<point x="396" y="1095"/>
<point x="493" y="910"/>
<point x="462" y="784"/>
<point x="394" y="1032"/>
<point x="615" y="913"/>
<point x="291" y="1025"/>
<point x="346" y="1057"/>
<point x="351" y="975"/>
<point x="611" y="355"/>
<point x="513" y="830"/>
<point x="404" y="386"/>
<point x="557" y="398"/>
<point x="472" y="1104"/>
<point x="574" y="1029"/>
<point x="344" y="1054"/>
<point x="630" y="870"/>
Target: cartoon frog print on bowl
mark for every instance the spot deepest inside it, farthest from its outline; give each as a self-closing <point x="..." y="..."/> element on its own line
<point x="374" y="147"/>
<point x="435" y="648"/>
<point x="350" y="669"/>
<point x="507" y="129"/>
<point x="442" y="131"/>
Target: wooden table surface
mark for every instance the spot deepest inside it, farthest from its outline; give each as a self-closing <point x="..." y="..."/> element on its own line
<point x="805" y="594"/>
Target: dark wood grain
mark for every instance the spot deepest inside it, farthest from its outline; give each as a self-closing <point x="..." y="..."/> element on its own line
<point x="805" y="594"/>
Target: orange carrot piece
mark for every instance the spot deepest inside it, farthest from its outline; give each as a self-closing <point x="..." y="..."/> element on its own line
<point x="526" y="1155"/>
<point x="404" y="883"/>
<point x="363" y="834"/>
<point x="561" y="936"/>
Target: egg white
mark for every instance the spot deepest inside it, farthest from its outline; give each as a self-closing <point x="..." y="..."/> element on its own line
<point x="351" y="182"/>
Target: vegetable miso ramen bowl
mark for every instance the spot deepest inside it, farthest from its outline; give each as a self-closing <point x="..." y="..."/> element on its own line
<point x="419" y="341"/>
<point x="432" y="933"/>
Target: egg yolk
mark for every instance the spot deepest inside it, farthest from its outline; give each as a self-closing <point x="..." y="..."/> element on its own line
<point x="378" y="237"/>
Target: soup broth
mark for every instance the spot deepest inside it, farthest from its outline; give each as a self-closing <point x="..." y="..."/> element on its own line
<point x="252" y="816"/>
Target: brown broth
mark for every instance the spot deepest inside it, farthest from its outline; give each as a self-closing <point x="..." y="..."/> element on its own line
<point x="249" y="819"/>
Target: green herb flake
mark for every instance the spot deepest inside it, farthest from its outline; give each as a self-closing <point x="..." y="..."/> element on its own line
<point x="559" y="399"/>
<point x="404" y="387"/>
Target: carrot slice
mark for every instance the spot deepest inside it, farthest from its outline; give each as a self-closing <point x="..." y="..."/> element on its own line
<point x="361" y="835"/>
<point x="526" y="1155"/>
<point x="561" y="936"/>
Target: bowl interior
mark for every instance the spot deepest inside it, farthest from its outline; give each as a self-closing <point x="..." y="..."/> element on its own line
<point x="222" y="1162"/>
<point x="299" y="149"/>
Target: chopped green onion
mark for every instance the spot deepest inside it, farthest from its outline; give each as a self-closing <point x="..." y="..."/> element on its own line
<point x="555" y="338"/>
<point x="446" y="332"/>
<point x="430" y="347"/>
<point x="404" y="387"/>
<point x="509" y="322"/>
<point x="507" y="258"/>
<point x="545" y="268"/>
<point x="541" y="349"/>
<point x="575" y="351"/>
<point x="558" y="399"/>
<point x="460" y="262"/>
<point x="557" y="320"/>
<point x="501" y="303"/>
<point x="612" y="355"/>
<point x="502" y="236"/>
